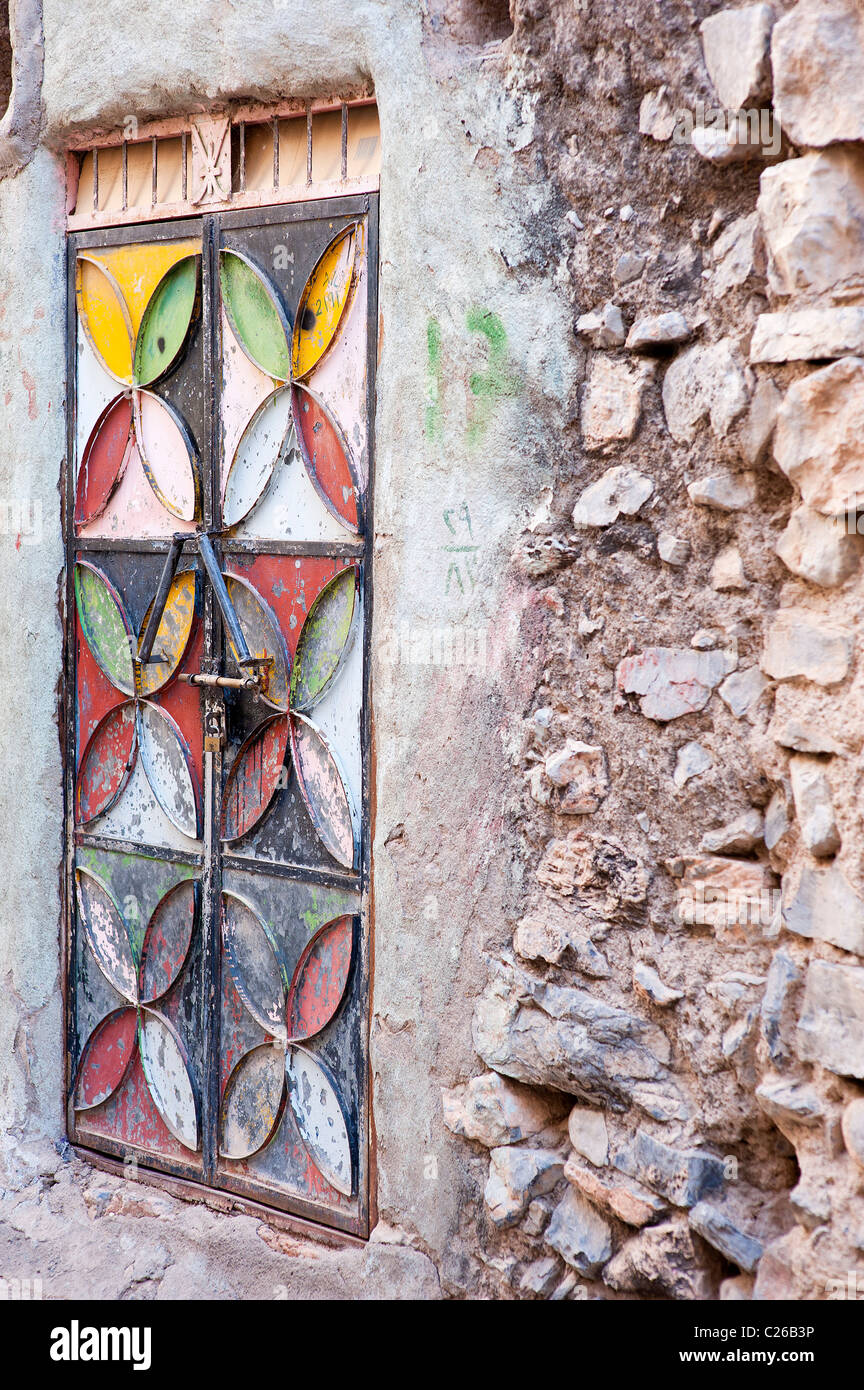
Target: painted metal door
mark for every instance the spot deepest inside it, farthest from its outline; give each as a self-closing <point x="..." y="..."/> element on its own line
<point x="219" y="594"/>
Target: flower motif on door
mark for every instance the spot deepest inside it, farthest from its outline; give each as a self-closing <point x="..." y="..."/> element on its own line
<point x="142" y="979"/>
<point x="292" y="1012"/>
<point x="137" y="726"/>
<point x="293" y="420"/>
<point x="295" y="689"/>
<point x="136" y="305"/>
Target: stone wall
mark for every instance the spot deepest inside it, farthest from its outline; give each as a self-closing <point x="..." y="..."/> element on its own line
<point x="618" y="1006"/>
<point x="686" y="965"/>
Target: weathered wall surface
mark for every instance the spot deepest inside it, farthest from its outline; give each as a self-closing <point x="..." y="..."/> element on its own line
<point x="618" y="847"/>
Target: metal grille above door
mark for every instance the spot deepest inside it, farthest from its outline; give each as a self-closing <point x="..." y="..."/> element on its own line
<point x="218" y="599"/>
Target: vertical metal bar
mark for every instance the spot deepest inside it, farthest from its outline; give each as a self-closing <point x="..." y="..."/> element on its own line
<point x="344" y="141"/>
<point x="223" y="598"/>
<point x="308" y="143"/>
<point x="69" y="686"/>
<point x="242" y="156"/>
<point x="275" y="153"/>
<point x="183" y="166"/>
<point x="125" y="176"/>
<point x="166" y="579"/>
<point x="153" y="160"/>
<point x="95" y="180"/>
<point x="366" y="1159"/>
<point x="212" y="877"/>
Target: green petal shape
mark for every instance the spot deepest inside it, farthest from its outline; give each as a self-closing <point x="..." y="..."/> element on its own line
<point x="323" y="639"/>
<point x="106" y="628"/>
<point x="255" y="315"/>
<point x="166" y="321"/>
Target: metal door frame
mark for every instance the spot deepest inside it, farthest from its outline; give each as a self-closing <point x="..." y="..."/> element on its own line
<point x="211" y="859"/>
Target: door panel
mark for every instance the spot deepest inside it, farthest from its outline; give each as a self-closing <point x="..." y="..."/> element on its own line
<point x="217" y="821"/>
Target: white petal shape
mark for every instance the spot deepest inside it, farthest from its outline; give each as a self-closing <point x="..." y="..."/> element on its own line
<point x="106" y="934"/>
<point x="320" y="1118"/>
<point x="255" y="970"/>
<point x="168" y="767"/>
<point x="252" y="1104"/>
<point x="167" y="455"/>
<point x="168" y="1078"/>
<point x="324" y="789"/>
<point x="260" y="627"/>
<point x="266" y="441"/>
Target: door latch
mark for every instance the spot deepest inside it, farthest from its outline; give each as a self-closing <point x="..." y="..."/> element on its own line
<point x="214" y="726"/>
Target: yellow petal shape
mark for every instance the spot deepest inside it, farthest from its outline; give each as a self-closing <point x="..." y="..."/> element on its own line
<point x="324" y="300"/>
<point x="138" y="270"/>
<point x="105" y="318"/>
<point x="172" y="636"/>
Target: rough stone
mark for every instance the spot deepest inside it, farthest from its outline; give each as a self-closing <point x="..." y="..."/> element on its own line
<point x="808" y="335"/>
<point x="737" y="1290"/>
<point x="733" y="140"/>
<point x="731" y="895"/>
<point x="516" y="1175"/>
<point x="704" y="381"/>
<point x="742" y="690"/>
<point x="727" y="571"/>
<point x="541" y="1276"/>
<point x="579" y="1234"/>
<point x="758" y="427"/>
<point x="673" y="550"/>
<point x="612" y="400"/>
<point x="739" y="836"/>
<point x="725" y="492"/>
<point x="655" y="333"/>
<point x="589" y="1135"/>
<point x="603" y="326"/>
<point x="596" y="862"/>
<point x="817" y="54"/>
<point x="831" y="1027"/>
<point x="552" y="1035"/>
<point x="818" y="548"/>
<point x="495" y="1111"/>
<point x="811" y="792"/>
<point x="852" y="1125"/>
<point x="692" y="760"/>
<point x="818" y="434"/>
<point x="648" y="983"/>
<point x="661" y="1260"/>
<point x="628" y="1201"/>
<point x="579" y="771"/>
<point x="737" y="255"/>
<point x="620" y="490"/>
<point x="735" y="45"/>
<point x="774" y="1018"/>
<point x="716" y="1225"/>
<point x="822" y="904"/>
<point x="682" y="1176"/>
<point x="801" y="643"/>
<point x="812" y="216"/>
<point x="776" y="820"/>
<point x="672" y="682"/>
<point x="657" y="115"/>
<point x="628" y="267"/>
<point x="789" y="1103"/>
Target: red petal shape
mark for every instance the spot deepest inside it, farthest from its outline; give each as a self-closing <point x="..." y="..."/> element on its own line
<point x="103" y="460"/>
<point x="107" y="762"/>
<point x="325" y="455"/>
<point x="254" y="776"/>
<point x="320" y="979"/>
<point x="106" y="1056"/>
<point x="167" y="940"/>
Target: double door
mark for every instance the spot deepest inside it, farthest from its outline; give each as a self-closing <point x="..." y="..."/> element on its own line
<point x="218" y="602"/>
